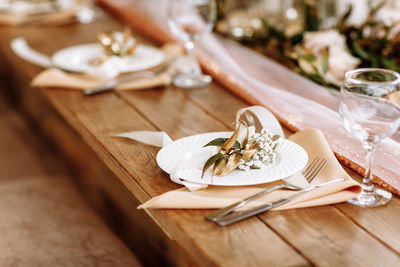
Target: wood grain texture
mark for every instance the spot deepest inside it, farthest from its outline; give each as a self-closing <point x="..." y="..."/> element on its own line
<point x="245" y="239"/>
<point x="128" y="156"/>
<point x="326" y="236"/>
<point x="380" y="220"/>
<point x="324" y="255"/>
<point x="97" y="118"/>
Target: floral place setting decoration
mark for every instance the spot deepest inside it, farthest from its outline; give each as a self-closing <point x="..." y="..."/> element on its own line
<point x="117" y="52"/>
<point x="249" y="155"/>
<point x="254" y="151"/>
<point x="221" y="168"/>
<point x="117" y="61"/>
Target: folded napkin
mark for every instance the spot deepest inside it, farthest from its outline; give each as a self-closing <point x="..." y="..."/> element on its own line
<point x="216" y="197"/>
<point x="53" y="18"/>
<point x="57" y="78"/>
<point x="158" y="139"/>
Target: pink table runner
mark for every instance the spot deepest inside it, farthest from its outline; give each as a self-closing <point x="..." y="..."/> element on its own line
<point x="297" y="102"/>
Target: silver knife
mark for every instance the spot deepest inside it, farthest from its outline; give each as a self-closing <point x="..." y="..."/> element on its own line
<point x="111" y="84"/>
<point x="215" y="215"/>
<point x="238" y="216"/>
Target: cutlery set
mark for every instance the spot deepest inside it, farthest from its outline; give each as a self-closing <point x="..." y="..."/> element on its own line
<point x="226" y="216"/>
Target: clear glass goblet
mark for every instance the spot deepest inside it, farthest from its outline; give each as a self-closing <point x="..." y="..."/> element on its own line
<point x="189" y="20"/>
<point x="370" y="117"/>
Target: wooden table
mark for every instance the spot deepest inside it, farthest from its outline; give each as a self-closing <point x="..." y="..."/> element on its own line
<point x="338" y="235"/>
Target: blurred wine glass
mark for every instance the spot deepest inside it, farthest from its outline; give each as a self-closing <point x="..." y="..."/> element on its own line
<point x="189" y="20"/>
<point x="370" y="117"/>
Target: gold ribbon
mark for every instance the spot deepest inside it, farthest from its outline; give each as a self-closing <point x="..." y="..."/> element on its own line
<point x="232" y="151"/>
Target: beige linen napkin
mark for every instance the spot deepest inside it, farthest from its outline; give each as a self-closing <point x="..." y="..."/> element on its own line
<point x="60" y="79"/>
<point x="216" y="197"/>
<point x="54" y="18"/>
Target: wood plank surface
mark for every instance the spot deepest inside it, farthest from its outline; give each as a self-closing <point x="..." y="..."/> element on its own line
<point x="333" y="237"/>
<point x="340" y="235"/>
<point x="99" y="115"/>
<point x="380" y="223"/>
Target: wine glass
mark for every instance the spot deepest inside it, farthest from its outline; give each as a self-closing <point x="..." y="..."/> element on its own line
<point x="189" y="20"/>
<point x="370" y="117"/>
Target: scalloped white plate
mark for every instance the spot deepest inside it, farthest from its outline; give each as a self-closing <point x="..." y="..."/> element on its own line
<point x="77" y="58"/>
<point x="186" y="157"/>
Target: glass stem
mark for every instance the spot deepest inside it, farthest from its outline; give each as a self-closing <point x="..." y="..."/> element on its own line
<point x="194" y="65"/>
<point x="189" y="46"/>
<point x="367" y="184"/>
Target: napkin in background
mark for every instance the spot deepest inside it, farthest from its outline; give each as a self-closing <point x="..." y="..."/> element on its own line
<point x="216" y="197"/>
<point x="54" y="18"/>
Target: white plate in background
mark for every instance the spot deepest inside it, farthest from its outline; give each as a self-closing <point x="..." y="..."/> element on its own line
<point x="77" y="58"/>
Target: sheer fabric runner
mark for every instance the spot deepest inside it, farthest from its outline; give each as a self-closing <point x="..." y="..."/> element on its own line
<point x="298" y="103"/>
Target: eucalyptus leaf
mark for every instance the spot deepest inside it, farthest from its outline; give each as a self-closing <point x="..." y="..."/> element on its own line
<point x="390" y="64"/>
<point x="221" y="142"/>
<point x="217" y="142"/>
<point x="308" y="57"/>
<point x="211" y="161"/>
<point x="361" y="52"/>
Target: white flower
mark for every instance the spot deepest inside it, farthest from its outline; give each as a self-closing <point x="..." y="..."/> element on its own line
<point x="264" y="155"/>
<point x="359" y="12"/>
<point x="340" y="60"/>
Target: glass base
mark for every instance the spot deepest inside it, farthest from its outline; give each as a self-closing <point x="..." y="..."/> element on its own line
<point x="190" y="81"/>
<point x="378" y="198"/>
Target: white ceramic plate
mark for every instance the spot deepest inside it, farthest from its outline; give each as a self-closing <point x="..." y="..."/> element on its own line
<point x="291" y="158"/>
<point x="77" y="58"/>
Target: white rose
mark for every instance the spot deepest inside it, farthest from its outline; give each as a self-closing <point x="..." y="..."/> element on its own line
<point x="318" y="41"/>
<point x="340" y="60"/>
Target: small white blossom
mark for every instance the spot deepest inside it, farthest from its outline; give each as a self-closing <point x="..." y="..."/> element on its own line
<point x="265" y="154"/>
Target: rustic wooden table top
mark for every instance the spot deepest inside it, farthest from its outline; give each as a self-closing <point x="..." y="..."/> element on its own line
<point x="338" y="235"/>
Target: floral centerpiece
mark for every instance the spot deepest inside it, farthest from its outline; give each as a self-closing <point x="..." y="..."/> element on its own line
<point x="318" y="45"/>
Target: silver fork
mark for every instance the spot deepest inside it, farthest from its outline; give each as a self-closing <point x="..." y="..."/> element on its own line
<point x="309" y="173"/>
<point x="241" y="215"/>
